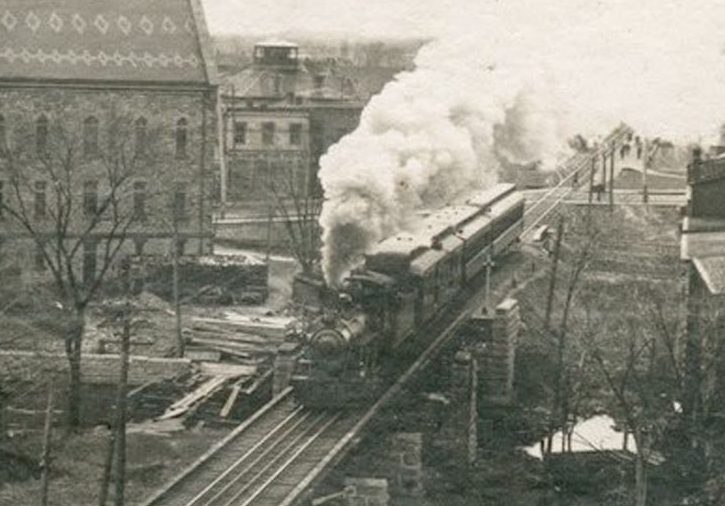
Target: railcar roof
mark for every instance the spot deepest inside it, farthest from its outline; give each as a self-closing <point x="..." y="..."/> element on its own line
<point x="484" y="197"/>
<point x="432" y="226"/>
<point x="448" y="220"/>
<point x="431" y="257"/>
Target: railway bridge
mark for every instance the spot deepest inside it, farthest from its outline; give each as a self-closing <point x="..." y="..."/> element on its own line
<point x="284" y="449"/>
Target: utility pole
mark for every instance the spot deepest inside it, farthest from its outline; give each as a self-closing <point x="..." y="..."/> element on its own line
<point x="604" y="168"/>
<point x="120" y="468"/>
<point x="47" y="436"/>
<point x="222" y="147"/>
<point x="270" y="220"/>
<point x="591" y="179"/>
<point x="175" y="281"/>
<point x="554" y="267"/>
<point x="612" y="157"/>
<point x="645" y="166"/>
<point x="489" y="267"/>
<point x="107" y="466"/>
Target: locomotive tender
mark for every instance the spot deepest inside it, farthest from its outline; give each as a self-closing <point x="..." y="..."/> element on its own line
<point x="405" y="282"/>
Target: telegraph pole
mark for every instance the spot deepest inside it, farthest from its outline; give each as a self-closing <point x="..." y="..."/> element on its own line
<point x="645" y="166"/>
<point x="175" y="283"/>
<point x="120" y="478"/>
<point x="612" y="157"/>
<point x="604" y="169"/>
<point x="591" y="179"/>
<point x="489" y="266"/>
<point x="552" y="280"/>
<point x="47" y="437"/>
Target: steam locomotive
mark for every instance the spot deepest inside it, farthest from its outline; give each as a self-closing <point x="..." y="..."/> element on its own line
<point x="405" y="282"/>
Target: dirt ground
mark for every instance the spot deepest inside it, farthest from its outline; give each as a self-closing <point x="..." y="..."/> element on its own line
<point x="642" y="249"/>
<point x="78" y="462"/>
<point x="153" y="456"/>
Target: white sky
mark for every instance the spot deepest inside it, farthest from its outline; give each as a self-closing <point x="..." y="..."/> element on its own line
<point x="355" y="17"/>
<point x="657" y="63"/>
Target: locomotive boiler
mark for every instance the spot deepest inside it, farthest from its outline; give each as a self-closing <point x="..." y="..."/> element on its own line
<point x="406" y="281"/>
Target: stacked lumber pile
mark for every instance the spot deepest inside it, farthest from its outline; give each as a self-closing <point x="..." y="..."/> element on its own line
<point x="234" y="401"/>
<point x="214" y="381"/>
<point x="237" y="338"/>
<point x="212" y="279"/>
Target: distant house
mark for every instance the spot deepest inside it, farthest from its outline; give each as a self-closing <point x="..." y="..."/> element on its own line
<point x="282" y="113"/>
<point x="85" y="63"/>
<point x="703" y="251"/>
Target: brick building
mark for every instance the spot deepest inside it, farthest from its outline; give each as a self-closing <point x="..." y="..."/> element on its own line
<point x="279" y="117"/>
<point x="112" y="84"/>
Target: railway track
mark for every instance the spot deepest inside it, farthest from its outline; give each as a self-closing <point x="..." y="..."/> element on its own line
<point x="260" y="461"/>
<point x="575" y="170"/>
<point x="284" y="448"/>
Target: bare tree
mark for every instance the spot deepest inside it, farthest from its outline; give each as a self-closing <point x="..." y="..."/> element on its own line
<point x="570" y="358"/>
<point x="72" y="197"/>
<point x="289" y="190"/>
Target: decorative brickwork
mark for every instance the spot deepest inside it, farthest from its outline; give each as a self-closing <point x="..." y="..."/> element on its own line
<point x="103" y="40"/>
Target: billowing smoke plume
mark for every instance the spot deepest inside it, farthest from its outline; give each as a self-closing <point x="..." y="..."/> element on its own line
<point x="432" y="134"/>
<point x="531" y="75"/>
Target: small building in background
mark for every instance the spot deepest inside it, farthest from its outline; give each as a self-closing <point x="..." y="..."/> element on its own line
<point x="279" y="116"/>
<point x="703" y="251"/>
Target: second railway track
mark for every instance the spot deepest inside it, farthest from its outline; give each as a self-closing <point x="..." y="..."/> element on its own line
<point x="280" y="451"/>
<point x="260" y="461"/>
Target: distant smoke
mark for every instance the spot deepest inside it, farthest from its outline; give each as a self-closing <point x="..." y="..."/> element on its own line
<point x="432" y="134"/>
<point x="531" y="75"/>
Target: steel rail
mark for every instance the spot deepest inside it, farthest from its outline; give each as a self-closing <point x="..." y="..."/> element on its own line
<point x="245" y="457"/>
<point x="194" y="467"/>
<point x="290" y="461"/>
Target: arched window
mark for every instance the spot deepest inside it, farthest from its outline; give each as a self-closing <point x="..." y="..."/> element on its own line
<point x="90" y="136"/>
<point x="140" y="128"/>
<point x="181" y="137"/>
<point x="624" y="151"/>
<point x="41" y="133"/>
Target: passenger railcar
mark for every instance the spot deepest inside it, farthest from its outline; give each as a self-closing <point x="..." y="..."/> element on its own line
<point x="405" y="282"/>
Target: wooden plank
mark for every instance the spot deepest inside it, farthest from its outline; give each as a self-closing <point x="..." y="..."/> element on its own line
<point x="227" y="371"/>
<point x="230" y="401"/>
<point x="230" y="335"/>
<point x="202" y="354"/>
<point x="184" y="404"/>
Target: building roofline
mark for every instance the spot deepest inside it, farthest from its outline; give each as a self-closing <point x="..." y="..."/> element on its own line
<point x="23" y="82"/>
<point x="315" y="103"/>
<point x="285" y="110"/>
<point x="205" y="43"/>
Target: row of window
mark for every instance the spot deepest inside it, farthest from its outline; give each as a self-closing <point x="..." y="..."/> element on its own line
<point x="90" y="135"/>
<point x="269" y="130"/>
<point x="90" y="256"/>
<point x="91" y="203"/>
<point x="248" y="176"/>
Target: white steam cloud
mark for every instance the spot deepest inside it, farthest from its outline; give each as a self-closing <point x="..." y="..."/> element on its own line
<point x="523" y="79"/>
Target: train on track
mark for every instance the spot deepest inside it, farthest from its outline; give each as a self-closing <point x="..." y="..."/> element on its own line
<point x="404" y="284"/>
